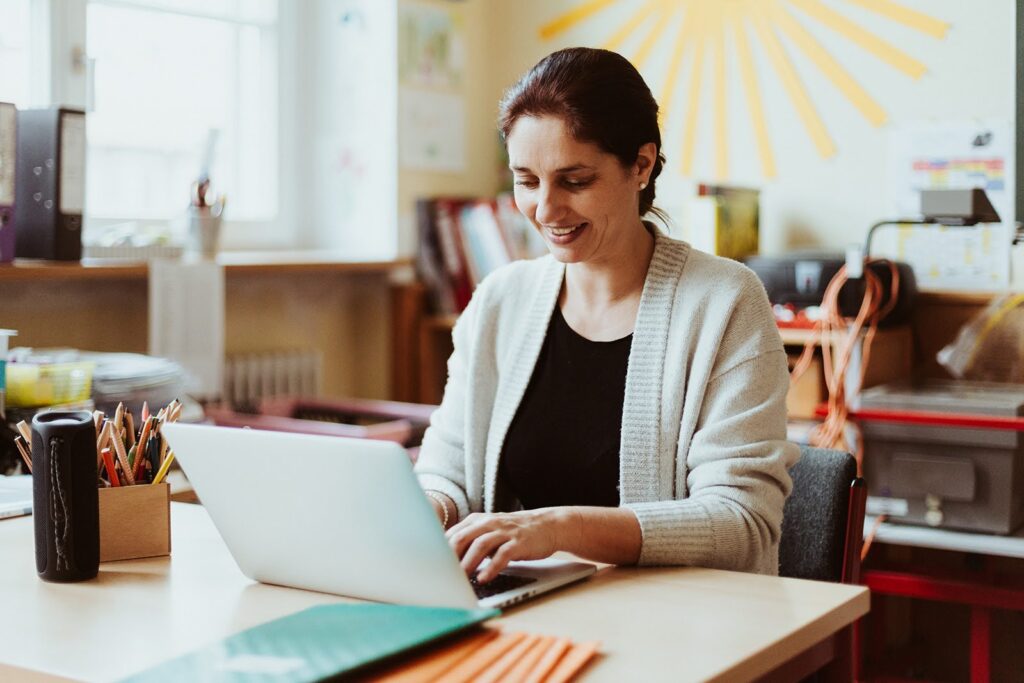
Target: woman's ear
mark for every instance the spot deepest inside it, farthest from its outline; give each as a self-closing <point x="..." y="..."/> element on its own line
<point x="645" y="157"/>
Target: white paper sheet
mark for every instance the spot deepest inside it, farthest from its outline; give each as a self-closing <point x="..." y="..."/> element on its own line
<point x="432" y="130"/>
<point x="186" y="320"/>
<point x="952" y="155"/>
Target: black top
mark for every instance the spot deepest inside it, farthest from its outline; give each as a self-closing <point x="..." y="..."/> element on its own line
<point x="562" y="447"/>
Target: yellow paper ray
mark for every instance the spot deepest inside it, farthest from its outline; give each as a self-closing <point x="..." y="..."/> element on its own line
<point x="839" y="76"/>
<point x="794" y="88"/>
<point x="668" y="86"/>
<point x="717" y="35"/>
<point x="873" y="44"/>
<point x="754" y="105"/>
<point x="634" y="22"/>
<point x="693" y="97"/>
<point x="903" y="15"/>
<point x="661" y="23"/>
<point x="573" y="17"/>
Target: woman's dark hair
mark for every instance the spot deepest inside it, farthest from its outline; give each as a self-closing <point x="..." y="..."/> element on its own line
<point x="600" y="97"/>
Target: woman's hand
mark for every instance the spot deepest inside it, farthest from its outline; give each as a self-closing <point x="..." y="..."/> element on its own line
<point x="508" y="536"/>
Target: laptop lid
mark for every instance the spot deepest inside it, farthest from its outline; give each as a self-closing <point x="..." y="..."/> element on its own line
<point x="330" y="514"/>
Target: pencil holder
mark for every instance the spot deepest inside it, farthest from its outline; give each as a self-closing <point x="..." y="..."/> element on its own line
<point x="135" y="521"/>
<point x="64" y="497"/>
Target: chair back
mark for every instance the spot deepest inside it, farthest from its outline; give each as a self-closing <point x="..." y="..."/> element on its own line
<point x="823" y="520"/>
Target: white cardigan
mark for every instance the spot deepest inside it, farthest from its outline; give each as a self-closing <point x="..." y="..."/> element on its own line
<point x="703" y="456"/>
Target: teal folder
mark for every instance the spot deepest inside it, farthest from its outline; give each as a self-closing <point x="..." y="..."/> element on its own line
<point x="316" y="643"/>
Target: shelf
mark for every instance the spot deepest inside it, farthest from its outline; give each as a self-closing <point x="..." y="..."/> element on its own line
<point x="235" y="263"/>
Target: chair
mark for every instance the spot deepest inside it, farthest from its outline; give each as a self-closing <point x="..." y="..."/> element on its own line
<point x="823" y="521"/>
<point x="822" y="536"/>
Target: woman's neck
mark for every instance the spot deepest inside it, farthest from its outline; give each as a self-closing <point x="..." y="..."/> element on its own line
<point x="600" y="299"/>
<point x="602" y="284"/>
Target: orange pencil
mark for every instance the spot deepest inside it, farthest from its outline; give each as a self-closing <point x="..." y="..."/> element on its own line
<point x="140" y="449"/>
<point x="122" y="458"/>
<point x="108" y="462"/>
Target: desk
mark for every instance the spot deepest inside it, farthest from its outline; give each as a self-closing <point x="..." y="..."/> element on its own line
<point x="655" y="624"/>
<point x="981" y="590"/>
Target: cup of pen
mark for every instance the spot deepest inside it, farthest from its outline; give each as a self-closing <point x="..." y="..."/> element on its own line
<point x="204" y="223"/>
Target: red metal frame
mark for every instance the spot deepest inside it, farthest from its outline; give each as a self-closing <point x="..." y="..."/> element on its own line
<point x="977" y="592"/>
<point x="1014" y="424"/>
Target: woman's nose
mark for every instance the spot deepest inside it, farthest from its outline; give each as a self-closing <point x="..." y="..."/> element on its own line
<point x="550" y="207"/>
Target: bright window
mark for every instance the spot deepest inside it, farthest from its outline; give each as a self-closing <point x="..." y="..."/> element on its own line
<point x="166" y="73"/>
<point x="15" y="55"/>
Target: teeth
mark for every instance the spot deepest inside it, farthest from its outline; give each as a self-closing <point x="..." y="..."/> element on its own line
<point x="564" y="231"/>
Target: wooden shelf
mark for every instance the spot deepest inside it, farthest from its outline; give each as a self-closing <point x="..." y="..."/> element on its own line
<point x="235" y="263"/>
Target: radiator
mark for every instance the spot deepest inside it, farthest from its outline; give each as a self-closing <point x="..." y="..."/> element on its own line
<point x="251" y="377"/>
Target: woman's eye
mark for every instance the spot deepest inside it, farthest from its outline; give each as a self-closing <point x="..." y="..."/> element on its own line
<point x="578" y="183"/>
<point x="526" y="183"/>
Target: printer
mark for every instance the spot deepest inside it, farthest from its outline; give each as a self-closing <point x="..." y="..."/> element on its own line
<point x="800" y="279"/>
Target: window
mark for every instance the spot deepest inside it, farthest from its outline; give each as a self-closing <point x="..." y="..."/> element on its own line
<point x="164" y="74"/>
<point x="15" y="57"/>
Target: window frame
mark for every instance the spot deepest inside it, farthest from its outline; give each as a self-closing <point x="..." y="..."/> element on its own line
<point x="59" y="50"/>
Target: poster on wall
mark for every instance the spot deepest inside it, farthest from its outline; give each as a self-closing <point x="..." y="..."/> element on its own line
<point x="952" y="155"/>
<point x="431" y="52"/>
<point x="431" y="130"/>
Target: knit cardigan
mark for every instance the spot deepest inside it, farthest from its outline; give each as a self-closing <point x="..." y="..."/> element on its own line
<point x="703" y="458"/>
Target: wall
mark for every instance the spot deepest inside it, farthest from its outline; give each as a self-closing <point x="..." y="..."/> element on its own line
<point x="482" y="146"/>
<point x="813" y="201"/>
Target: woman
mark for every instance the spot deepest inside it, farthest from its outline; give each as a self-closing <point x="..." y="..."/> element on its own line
<point x="622" y="398"/>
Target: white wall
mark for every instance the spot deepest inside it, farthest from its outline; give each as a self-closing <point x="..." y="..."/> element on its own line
<point x="813" y="201"/>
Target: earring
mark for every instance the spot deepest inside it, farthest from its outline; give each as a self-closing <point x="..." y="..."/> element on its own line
<point x="643" y="185"/>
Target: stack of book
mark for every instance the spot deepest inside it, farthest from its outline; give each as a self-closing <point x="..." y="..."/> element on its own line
<point x="462" y="240"/>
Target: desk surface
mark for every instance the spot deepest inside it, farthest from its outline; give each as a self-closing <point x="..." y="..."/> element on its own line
<point x="668" y="624"/>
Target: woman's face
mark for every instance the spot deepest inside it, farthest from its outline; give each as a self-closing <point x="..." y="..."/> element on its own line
<point x="579" y="197"/>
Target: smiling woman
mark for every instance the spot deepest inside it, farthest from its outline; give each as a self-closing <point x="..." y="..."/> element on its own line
<point x="622" y="398"/>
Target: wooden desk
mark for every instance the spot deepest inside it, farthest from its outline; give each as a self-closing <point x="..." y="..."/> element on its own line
<point x="655" y="624"/>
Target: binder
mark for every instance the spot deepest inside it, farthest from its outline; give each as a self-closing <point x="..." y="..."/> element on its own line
<point x="50" y="187"/>
<point x="8" y="148"/>
<point x="317" y="643"/>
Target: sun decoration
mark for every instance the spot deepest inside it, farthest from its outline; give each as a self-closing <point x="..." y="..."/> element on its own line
<point x="705" y="25"/>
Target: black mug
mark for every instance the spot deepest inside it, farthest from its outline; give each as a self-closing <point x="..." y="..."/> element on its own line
<point x="65" y="502"/>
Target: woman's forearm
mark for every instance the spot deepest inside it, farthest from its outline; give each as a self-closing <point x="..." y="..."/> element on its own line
<point x="600" y="534"/>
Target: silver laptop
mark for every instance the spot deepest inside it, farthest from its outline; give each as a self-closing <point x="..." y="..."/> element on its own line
<point x="342" y="516"/>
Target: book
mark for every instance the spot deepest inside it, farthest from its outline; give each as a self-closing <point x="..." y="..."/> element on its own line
<point x="482" y="238"/>
<point x="317" y="643"/>
<point x="450" y="240"/>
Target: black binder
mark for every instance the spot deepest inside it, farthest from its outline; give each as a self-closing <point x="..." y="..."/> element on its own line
<point x="8" y="145"/>
<point x="50" y="184"/>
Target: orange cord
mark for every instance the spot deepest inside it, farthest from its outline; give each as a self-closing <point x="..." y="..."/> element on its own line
<point x="845" y="333"/>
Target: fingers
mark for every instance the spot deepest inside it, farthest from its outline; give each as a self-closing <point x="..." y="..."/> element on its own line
<point x="483" y="547"/>
<point x="499" y="560"/>
<point x="467" y="531"/>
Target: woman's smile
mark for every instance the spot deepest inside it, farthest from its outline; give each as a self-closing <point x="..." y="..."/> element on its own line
<point x="564" y="234"/>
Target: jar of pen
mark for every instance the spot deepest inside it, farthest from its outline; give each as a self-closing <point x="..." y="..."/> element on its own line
<point x="204" y="220"/>
<point x="129" y="504"/>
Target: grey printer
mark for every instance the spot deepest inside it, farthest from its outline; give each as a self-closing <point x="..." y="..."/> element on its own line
<point x="931" y="456"/>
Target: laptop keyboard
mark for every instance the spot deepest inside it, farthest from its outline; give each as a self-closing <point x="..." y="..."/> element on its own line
<point x="500" y="584"/>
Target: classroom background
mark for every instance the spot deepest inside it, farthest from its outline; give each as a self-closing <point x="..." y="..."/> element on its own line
<point x="294" y="198"/>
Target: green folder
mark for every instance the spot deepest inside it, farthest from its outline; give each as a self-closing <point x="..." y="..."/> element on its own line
<point x="316" y="643"/>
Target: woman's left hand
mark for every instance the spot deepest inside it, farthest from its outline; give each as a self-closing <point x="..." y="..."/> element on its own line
<point x="506" y="536"/>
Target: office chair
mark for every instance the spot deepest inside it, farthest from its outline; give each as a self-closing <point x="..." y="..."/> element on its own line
<point x="823" y="521"/>
<point x="822" y="535"/>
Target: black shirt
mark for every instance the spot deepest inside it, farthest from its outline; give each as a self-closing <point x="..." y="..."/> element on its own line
<point x="562" y="447"/>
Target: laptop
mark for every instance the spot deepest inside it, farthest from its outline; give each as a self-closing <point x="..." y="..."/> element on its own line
<point x="342" y="516"/>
